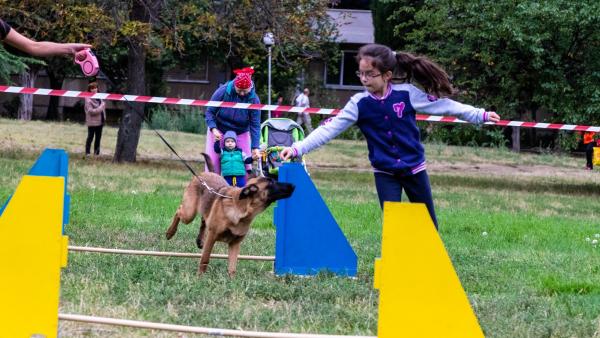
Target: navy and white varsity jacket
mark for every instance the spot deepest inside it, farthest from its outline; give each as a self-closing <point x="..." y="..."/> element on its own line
<point x="389" y="125"/>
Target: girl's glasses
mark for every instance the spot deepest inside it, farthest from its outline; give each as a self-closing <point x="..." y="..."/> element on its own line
<point x="367" y="76"/>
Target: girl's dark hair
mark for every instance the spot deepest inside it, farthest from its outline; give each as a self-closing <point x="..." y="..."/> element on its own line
<point x="408" y="67"/>
<point x="92" y="85"/>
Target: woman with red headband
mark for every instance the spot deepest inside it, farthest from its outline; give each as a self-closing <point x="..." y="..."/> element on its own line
<point x="244" y="122"/>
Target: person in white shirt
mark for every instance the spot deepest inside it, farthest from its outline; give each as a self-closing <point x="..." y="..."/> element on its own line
<point x="304" y="117"/>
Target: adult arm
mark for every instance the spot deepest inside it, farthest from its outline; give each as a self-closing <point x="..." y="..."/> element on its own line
<point x="42" y="48"/>
<point x="210" y="115"/>
<point x="255" y="126"/>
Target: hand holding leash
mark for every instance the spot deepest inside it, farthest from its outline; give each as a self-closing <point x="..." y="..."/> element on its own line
<point x="217" y="133"/>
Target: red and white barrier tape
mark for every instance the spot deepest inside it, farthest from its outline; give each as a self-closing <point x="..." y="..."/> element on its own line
<point x="323" y="111"/>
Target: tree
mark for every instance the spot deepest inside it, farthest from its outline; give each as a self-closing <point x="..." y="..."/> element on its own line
<point x="142" y="15"/>
<point x="519" y="56"/>
<point x="393" y="19"/>
<point x="60" y="20"/>
<point x="180" y="32"/>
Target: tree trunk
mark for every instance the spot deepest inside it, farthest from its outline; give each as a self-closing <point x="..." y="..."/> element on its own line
<point x="56" y="82"/>
<point x="131" y="122"/>
<point x="27" y="79"/>
<point x="516" y="139"/>
<point x="129" y="129"/>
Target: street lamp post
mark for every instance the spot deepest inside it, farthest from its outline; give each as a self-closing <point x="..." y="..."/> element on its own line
<point x="269" y="41"/>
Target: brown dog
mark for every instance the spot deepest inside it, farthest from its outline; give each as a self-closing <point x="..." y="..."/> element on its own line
<point x="225" y="219"/>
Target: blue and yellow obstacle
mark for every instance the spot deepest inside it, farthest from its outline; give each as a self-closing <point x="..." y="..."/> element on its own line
<point x="420" y="293"/>
<point x="33" y="249"/>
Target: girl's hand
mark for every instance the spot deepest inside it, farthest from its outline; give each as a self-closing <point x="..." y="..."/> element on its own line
<point x="493" y="117"/>
<point x="217" y="133"/>
<point x="286" y="153"/>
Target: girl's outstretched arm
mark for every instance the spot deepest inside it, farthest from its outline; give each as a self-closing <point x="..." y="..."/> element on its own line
<point x="323" y="134"/>
<point x="429" y="104"/>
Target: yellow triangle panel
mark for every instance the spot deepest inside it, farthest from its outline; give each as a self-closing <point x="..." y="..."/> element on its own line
<point x="32" y="251"/>
<point x="420" y="294"/>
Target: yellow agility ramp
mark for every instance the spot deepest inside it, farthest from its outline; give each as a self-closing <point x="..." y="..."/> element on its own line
<point x="32" y="251"/>
<point x="420" y="294"/>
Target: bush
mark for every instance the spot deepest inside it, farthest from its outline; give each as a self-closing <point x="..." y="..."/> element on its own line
<point x="568" y="141"/>
<point x="185" y="118"/>
<point x="496" y="138"/>
<point x="461" y="135"/>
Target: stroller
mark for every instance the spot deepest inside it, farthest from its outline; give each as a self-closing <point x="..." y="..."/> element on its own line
<point x="275" y="134"/>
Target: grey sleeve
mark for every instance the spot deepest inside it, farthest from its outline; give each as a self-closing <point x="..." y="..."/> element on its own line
<point x="429" y="104"/>
<point x="346" y="118"/>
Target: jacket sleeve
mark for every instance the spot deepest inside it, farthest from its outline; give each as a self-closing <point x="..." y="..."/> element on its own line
<point x="217" y="147"/>
<point x="346" y="118"/>
<point x="255" y="126"/>
<point x="211" y="112"/>
<point x="89" y="107"/>
<point x="429" y="104"/>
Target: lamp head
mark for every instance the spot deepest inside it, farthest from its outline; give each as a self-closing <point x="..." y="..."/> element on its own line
<point x="269" y="39"/>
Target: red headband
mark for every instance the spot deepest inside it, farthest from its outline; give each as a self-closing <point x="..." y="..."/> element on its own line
<point x="243" y="79"/>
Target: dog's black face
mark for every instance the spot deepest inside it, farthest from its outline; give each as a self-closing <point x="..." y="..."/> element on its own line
<point x="279" y="190"/>
<point x="267" y="190"/>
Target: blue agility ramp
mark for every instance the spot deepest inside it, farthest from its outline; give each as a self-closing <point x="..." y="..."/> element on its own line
<point x="308" y="240"/>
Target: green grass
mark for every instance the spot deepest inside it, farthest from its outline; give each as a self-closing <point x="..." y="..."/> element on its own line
<point x="533" y="274"/>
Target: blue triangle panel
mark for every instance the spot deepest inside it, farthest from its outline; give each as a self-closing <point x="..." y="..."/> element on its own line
<point x="308" y="240"/>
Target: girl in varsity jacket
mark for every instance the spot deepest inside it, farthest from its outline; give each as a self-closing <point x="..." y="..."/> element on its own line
<point x="386" y="115"/>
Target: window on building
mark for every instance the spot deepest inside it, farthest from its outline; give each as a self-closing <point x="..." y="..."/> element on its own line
<point x="182" y="75"/>
<point x="343" y="74"/>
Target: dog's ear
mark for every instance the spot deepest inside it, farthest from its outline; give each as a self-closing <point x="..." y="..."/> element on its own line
<point x="249" y="191"/>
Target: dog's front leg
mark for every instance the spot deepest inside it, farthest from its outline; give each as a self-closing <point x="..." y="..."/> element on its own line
<point x="206" y="250"/>
<point x="234" y="252"/>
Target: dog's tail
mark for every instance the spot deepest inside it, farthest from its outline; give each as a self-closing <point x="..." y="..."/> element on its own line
<point x="209" y="163"/>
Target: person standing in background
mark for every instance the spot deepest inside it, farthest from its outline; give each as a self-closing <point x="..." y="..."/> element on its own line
<point x="304" y="117"/>
<point x="588" y="144"/>
<point x="244" y="122"/>
<point x="95" y="117"/>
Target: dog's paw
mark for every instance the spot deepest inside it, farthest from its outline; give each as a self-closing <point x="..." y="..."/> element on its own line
<point x="170" y="234"/>
<point x="199" y="243"/>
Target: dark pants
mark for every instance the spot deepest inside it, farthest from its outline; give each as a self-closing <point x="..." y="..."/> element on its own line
<point x="93" y="132"/>
<point x="589" y="155"/>
<point x="240" y="181"/>
<point x="417" y="188"/>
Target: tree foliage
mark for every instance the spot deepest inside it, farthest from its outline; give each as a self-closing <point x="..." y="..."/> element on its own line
<point x="519" y="56"/>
